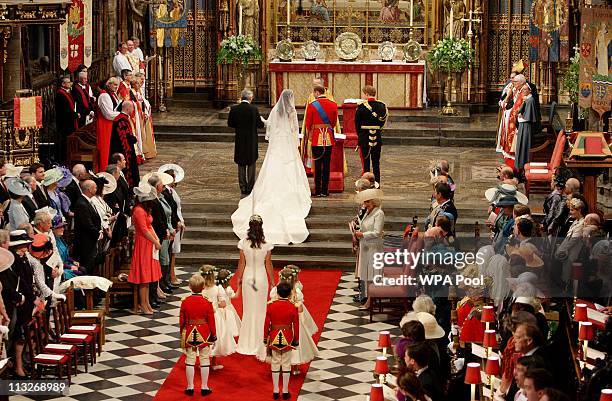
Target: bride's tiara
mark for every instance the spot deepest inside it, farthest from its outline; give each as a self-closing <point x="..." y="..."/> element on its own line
<point x="256" y="218"/>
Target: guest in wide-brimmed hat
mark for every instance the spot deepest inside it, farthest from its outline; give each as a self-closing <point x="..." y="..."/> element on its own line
<point x="57" y="199"/>
<point x="178" y="222"/>
<point x="17" y="213"/>
<point x="370" y="236"/>
<point x="40" y="251"/>
<point x="18" y="283"/>
<point x="162" y="224"/>
<point x="503" y="197"/>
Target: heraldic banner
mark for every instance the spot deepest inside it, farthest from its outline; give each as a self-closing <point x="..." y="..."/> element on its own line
<point x="594" y="78"/>
<point x="76" y="36"/>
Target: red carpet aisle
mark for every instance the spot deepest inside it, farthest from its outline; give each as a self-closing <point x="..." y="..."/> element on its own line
<point x="244" y="377"/>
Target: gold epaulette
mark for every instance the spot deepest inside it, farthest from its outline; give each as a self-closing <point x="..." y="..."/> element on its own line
<point x="463" y="301"/>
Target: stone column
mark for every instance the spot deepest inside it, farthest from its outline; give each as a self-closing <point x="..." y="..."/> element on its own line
<point x="12" y="67"/>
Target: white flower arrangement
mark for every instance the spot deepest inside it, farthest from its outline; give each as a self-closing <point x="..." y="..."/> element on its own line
<point x="238" y="48"/>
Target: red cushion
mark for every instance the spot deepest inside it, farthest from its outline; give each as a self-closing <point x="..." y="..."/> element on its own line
<point x="538" y="176"/>
<point x="64" y="350"/>
<point x="41" y="358"/>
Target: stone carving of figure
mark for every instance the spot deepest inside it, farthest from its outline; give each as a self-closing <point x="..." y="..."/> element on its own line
<point x="459" y="12"/>
<point x="138" y="9"/>
<point x="319" y="9"/>
<point x="250" y="18"/>
<point x="390" y="11"/>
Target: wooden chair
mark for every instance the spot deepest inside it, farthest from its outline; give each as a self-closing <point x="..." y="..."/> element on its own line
<point x="41" y="360"/>
<point x="50" y="347"/>
<point x="88" y="316"/>
<point x="539" y="175"/>
<point x="111" y="269"/>
<point x="85" y="342"/>
<point x="395" y="298"/>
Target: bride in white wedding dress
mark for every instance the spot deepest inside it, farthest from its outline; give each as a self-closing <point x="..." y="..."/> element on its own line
<point x="281" y="194"/>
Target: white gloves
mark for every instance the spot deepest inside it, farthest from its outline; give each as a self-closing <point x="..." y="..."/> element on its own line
<point x="60" y="297"/>
<point x="459" y="362"/>
<point x="4" y="330"/>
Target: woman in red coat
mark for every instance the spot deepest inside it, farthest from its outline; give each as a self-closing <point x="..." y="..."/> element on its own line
<point x="145" y="258"/>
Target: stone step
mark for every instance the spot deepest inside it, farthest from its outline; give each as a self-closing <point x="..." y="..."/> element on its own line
<point x="331" y="233"/>
<point x="424" y="140"/>
<point x="392" y="223"/>
<point x="427" y="115"/>
<point x="305" y="249"/>
<point x="196" y="259"/>
<point x="393" y="130"/>
<point x="330" y="207"/>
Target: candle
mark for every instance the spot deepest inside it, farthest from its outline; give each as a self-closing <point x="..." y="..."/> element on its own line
<point x="411" y="11"/>
<point x="451" y="21"/>
<point x="240" y="20"/>
<point x="288" y="12"/>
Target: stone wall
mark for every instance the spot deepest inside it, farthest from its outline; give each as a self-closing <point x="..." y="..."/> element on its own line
<point x="604" y="197"/>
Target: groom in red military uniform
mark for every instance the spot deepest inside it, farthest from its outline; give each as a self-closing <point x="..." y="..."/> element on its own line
<point x="198" y="333"/>
<point x="281" y="335"/>
<point x="321" y="118"/>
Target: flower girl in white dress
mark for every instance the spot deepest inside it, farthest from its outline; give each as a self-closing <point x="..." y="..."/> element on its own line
<point x="225" y="344"/>
<point x="308" y="321"/>
<point x="231" y="315"/>
<point x="307" y="350"/>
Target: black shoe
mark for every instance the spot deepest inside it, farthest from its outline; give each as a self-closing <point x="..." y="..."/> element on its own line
<point x="357" y="298"/>
<point x="173" y="286"/>
<point x="205" y="391"/>
<point x="189" y="391"/>
<point x="286" y="396"/>
<point x="275" y="396"/>
<point x="167" y="289"/>
<point x="324" y="195"/>
<point x="154" y="304"/>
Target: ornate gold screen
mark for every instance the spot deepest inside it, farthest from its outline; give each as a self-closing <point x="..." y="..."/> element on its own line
<point x="194" y="65"/>
<point x="374" y="21"/>
<point x="508" y="38"/>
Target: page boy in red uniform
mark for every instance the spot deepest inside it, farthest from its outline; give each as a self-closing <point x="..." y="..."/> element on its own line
<point x="281" y="335"/>
<point x="198" y="332"/>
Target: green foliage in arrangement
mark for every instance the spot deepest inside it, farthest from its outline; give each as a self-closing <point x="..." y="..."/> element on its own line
<point x="451" y="55"/>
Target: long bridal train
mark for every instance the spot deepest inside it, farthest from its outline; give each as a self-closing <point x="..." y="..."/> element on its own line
<point x="281" y="194"/>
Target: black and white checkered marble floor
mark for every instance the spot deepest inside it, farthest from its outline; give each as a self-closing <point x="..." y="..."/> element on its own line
<point x="140" y="352"/>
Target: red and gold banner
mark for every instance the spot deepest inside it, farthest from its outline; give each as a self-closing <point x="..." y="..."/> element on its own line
<point x="76" y="36"/>
<point x="27" y="112"/>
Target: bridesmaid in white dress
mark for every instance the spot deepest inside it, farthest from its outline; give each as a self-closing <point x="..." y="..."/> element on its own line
<point x="232" y="318"/>
<point x="254" y="271"/>
<point x="225" y="344"/>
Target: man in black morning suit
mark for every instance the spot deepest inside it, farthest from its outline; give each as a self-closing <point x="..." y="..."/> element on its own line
<point x="370" y="118"/>
<point x="118" y="201"/>
<point x="87" y="227"/>
<point x="245" y="119"/>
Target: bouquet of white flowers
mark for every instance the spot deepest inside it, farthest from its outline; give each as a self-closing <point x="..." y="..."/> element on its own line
<point x="241" y="49"/>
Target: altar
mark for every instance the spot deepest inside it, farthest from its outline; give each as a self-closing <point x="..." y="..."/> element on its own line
<point x="399" y="84"/>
